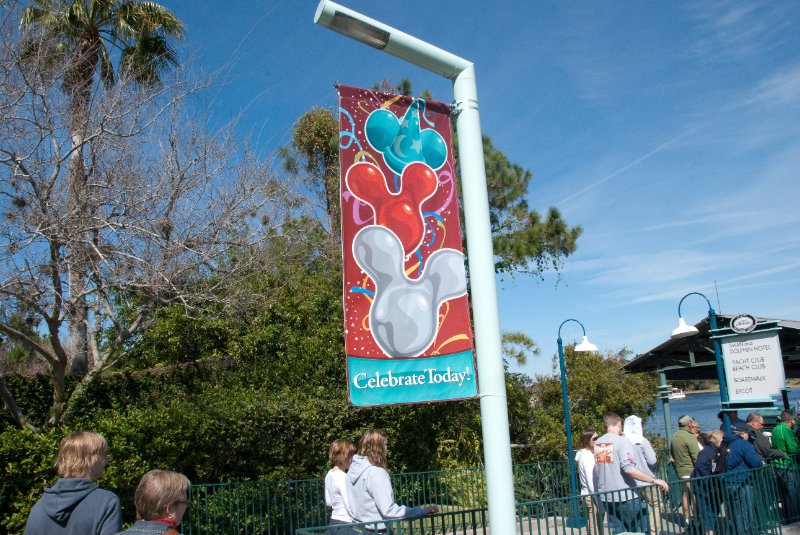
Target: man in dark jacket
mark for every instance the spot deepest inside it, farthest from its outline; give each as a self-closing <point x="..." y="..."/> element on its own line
<point x="741" y="458"/>
<point x="755" y="423"/>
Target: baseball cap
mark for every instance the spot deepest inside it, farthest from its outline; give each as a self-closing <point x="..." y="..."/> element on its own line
<point x="685" y="420"/>
<point x="738" y="427"/>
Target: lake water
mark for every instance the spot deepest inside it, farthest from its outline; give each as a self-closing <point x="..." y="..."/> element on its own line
<point x="702" y="407"/>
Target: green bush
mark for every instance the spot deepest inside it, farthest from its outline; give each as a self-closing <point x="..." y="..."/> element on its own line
<point x="27" y="458"/>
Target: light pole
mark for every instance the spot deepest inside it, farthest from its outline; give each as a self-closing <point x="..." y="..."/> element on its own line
<point x="683" y="331"/>
<point x="494" y="410"/>
<point x="574" y="519"/>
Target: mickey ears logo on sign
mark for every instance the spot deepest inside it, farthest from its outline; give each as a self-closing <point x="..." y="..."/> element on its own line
<point x="402" y="142"/>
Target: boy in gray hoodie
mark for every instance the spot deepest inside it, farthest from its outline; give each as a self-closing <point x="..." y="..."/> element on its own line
<point x="75" y="505"/>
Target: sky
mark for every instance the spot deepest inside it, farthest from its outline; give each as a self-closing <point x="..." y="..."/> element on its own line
<point x="670" y="132"/>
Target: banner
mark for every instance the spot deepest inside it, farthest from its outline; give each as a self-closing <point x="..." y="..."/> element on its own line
<point x="407" y="328"/>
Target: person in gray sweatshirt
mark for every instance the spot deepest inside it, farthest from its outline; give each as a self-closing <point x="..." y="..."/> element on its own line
<point x="75" y="505"/>
<point x="369" y="488"/>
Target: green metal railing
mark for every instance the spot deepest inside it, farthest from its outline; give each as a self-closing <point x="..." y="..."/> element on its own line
<point x="258" y="507"/>
<point x="740" y="502"/>
<point x="278" y="507"/>
<point x="787" y="481"/>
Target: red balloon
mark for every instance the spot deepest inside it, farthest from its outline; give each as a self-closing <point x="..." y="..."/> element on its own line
<point x="400" y="212"/>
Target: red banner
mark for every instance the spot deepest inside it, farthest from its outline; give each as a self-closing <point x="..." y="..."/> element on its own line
<point x="404" y="280"/>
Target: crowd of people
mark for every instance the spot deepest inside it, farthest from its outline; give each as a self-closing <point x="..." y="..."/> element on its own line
<point x="358" y="489"/>
<point x="615" y="472"/>
<point x="75" y="505"/>
<point x="745" y="447"/>
<point x="614" y="468"/>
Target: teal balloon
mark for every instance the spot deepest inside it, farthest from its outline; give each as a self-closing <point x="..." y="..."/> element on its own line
<point x="434" y="149"/>
<point x="381" y="128"/>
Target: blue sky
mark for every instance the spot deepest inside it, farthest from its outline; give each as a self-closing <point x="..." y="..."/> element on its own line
<point x="669" y="131"/>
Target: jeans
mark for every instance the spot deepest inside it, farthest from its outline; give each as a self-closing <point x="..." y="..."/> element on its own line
<point x="341" y="528"/>
<point x="628" y="516"/>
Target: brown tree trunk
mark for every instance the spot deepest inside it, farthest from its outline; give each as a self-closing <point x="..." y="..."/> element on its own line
<point x="59" y="380"/>
<point x="11" y="405"/>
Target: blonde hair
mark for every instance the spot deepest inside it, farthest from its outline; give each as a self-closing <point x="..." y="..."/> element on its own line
<point x="715" y="437"/>
<point x="157" y="490"/>
<point x="373" y="446"/>
<point x="79" y="454"/>
<point x="341" y="452"/>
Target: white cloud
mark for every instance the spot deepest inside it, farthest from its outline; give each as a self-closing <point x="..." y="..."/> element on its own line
<point x="778" y="89"/>
<point x="738" y="30"/>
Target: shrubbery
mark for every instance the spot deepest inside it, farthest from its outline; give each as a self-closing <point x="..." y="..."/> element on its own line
<point x="211" y="424"/>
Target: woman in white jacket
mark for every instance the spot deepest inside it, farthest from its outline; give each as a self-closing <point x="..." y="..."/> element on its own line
<point x="584" y="458"/>
<point x="369" y="488"/>
<point x="341" y="454"/>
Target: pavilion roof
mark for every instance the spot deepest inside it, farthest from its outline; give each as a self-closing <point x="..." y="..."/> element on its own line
<point x="693" y="357"/>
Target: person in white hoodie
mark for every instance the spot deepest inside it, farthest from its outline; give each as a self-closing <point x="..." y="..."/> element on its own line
<point x="369" y="488"/>
<point x="645" y="458"/>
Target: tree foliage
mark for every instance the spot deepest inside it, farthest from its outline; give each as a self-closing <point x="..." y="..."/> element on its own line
<point x="68" y="40"/>
<point x="170" y="214"/>
<point x="596" y="385"/>
<point x="524" y="242"/>
<point x="314" y="154"/>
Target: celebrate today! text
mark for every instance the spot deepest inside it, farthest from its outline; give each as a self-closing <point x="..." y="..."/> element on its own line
<point x="427" y="376"/>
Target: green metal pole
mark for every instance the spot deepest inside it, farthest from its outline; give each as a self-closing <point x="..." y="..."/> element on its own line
<point x="665" y="400"/>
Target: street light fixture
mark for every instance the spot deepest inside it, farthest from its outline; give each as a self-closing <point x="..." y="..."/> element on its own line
<point x="574" y="519"/>
<point x="493" y="399"/>
<point x="683" y="331"/>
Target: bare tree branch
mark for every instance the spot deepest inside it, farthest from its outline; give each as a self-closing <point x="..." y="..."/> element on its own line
<point x="168" y="213"/>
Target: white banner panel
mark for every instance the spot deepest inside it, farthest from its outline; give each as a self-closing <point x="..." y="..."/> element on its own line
<point x="753" y="366"/>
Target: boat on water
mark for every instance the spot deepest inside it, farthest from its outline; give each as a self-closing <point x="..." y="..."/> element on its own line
<point x="676" y="393"/>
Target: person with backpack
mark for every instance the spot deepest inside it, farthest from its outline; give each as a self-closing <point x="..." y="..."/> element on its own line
<point x="710" y="461"/>
<point x="741" y="457"/>
<point x="645" y="458"/>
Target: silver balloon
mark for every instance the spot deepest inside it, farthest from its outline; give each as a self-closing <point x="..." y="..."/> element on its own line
<point x="405" y="312"/>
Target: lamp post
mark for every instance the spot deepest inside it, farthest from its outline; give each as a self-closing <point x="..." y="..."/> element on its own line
<point x="683" y="330"/>
<point x="574" y="519"/>
<point x="494" y="410"/>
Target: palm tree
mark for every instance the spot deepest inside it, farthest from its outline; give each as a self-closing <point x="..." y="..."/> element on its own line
<point x="88" y="34"/>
